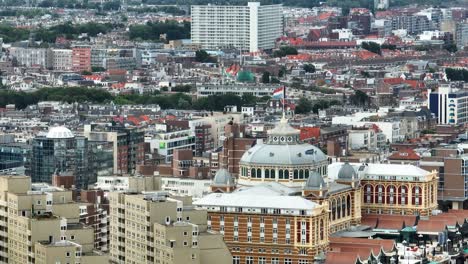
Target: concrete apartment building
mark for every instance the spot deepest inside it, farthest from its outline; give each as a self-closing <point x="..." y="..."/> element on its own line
<point x="40" y="224"/>
<point x="32" y="57"/>
<point x="81" y="58"/>
<point x="461" y="34"/>
<point x="62" y="59"/>
<point x="253" y="27"/>
<point x="151" y="227"/>
<point x="257" y="90"/>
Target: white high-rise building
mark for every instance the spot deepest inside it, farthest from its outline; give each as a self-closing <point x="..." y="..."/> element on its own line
<point x="253" y="27"/>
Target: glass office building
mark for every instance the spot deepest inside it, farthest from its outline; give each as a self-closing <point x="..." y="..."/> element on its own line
<point x="61" y="151"/>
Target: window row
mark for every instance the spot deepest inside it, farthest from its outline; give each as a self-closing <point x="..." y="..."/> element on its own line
<point x="297" y="174"/>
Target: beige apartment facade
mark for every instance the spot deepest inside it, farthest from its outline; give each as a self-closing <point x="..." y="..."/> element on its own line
<point x="38" y="220"/>
<point x="151" y="227"/>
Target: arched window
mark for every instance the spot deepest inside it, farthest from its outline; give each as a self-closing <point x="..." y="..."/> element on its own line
<point x="272" y="174"/>
<point x="333" y="209"/>
<point x="259" y="173"/>
<point x="267" y="174"/>
<point x="324" y="169"/>
<point x="301" y="174"/>
<point x="306" y="173"/>
<point x="319" y="170"/>
<point x="391" y="194"/>
<point x="402" y="197"/>
<point x="343" y="207"/>
<point x="280" y="174"/>
<point x="338" y="209"/>
<point x="431" y="193"/>
<point x="296" y="174"/>
<point x="286" y="174"/>
<point x="322" y="231"/>
<point x="379" y="194"/>
<point x="348" y="205"/>
<point x="368" y="193"/>
<point x="253" y="174"/>
<point x="416" y="196"/>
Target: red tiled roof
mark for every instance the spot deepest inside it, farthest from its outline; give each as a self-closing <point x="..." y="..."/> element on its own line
<point x="431" y="226"/>
<point x="326" y="16"/>
<point x="389" y="221"/>
<point x="340" y="258"/>
<point x="365" y="54"/>
<point x="309" y="132"/>
<point x="301" y="57"/>
<point x="393" y="81"/>
<point x="347" y="250"/>
<point x="407" y="154"/>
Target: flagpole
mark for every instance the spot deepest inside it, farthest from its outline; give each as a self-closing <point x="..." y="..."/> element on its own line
<point x="284" y="99"/>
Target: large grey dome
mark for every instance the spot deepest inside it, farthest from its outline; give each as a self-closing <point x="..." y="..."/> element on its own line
<point x="315" y="182"/>
<point x="299" y="154"/>
<point x="283" y="147"/>
<point x="347" y="172"/>
<point x="223" y="178"/>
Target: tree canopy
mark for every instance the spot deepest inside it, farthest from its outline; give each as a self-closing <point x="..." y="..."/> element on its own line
<point x="155" y="31"/>
<point x="284" y="51"/>
<point x="457" y="74"/>
<point x="204" y="57"/>
<point x="310" y="68"/>
<point x="360" y="98"/>
<point x="372" y="47"/>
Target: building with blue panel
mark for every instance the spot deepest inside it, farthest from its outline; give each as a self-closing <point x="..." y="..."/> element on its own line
<point x="449" y="105"/>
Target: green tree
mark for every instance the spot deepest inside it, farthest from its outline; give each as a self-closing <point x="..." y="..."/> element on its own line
<point x="451" y="48"/>
<point x="360" y="98"/>
<point x="248" y="99"/>
<point x="203" y="56"/>
<point x="388" y="46"/>
<point x="284" y="51"/>
<point x="372" y="47"/>
<point x="304" y="106"/>
<point x="266" y="77"/>
<point x="97" y="69"/>
<point x="457" y="74"/>
<point x="282" y="72"/>
<point x="310" y="68"/>
<point x="274" y="80"/>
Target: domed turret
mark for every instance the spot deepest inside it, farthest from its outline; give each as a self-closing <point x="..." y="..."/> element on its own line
<point x="60" y="132"/>
<point x="315" y="182"/>
<point x="347" y="172"/>
<point x="223" y="181"/>
<point x="223" y="177"/>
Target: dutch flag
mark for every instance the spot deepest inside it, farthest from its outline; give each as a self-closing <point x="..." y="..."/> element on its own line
<point x="279" y="93"/>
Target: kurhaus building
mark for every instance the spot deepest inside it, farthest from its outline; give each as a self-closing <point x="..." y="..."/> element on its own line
<point x="288" y="200"/>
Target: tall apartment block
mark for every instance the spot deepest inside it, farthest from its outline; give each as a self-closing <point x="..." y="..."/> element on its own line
<point x="253" y="27"/>
<point x="413" y="24"/>
<point x="151" y="227"/>
<point x="81" y="58"/>
<point x="40" y="224"/>
<point x="461" y="34"/>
